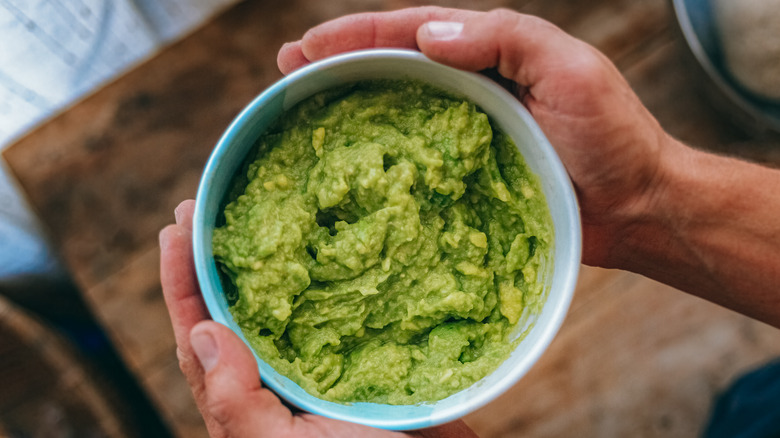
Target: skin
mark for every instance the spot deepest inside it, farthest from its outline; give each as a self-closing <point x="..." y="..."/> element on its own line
<point x="649" y="204"/>
<point x="221" y="370"/>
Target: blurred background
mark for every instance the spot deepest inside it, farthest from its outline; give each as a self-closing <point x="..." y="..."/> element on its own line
<point x="109" y="108"/>
<point x="53" y="53"/>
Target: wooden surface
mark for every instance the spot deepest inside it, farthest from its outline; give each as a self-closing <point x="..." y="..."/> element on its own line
<point x="48" y="389"/>
<point x="634" y="358"/>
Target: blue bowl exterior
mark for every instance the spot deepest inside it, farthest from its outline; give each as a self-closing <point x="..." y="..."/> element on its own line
<point x="513" y="119"/>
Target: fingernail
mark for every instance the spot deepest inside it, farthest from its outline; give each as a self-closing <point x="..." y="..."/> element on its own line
<point x="163" y="237"/>
<point x="205" y="348"/>
<point x="443" y="30"/>
<point x="177" y="214"/>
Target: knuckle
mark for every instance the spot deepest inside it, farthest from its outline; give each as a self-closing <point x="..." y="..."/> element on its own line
<point x="430" y="11"/>
<point x="539" y="23"/>
<point x="587" y="65"/>
<point x="188" y="364"/>
<point x="502" y="12"/>
<point x="502" y="16"/>
<point x="220" y="408"/>
<point x="586" y="76"/>
<point x="513" y="21"/>
<point x="509" y="19"/>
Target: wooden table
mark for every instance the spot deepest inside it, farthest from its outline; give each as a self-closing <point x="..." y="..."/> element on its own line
<point x="634" y="358"/>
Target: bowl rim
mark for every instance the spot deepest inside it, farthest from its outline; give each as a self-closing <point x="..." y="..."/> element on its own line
<point x="560" y="178"/>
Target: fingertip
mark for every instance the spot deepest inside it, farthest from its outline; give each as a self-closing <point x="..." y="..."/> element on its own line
<point x="177" y="273"/>
<point x="183" y="213"/>
<point x="344" y="34"/>
<point x="291" y="57"/>
<point x="315" y="43"/>
<point x="162" y="238"/>
<point x="167" y="236"/>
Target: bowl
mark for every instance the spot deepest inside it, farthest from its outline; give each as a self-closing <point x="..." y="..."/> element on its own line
<point x="697" y="23"/>
<point x="510" y="116"/>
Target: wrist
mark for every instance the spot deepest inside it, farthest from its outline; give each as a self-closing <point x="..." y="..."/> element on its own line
<point x="651" y="234"/>
<point x="709" y="228"/>
<point x="616" y="234"/>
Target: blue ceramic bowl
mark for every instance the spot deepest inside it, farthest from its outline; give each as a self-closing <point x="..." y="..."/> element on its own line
<point x="512" y="118"/>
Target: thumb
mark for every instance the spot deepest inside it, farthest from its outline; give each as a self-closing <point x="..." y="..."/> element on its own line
<point x="524" y="48"/>
<point x="235" y="399"/>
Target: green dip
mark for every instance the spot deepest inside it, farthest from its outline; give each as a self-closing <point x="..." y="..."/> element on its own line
<point x="381" y="244"/>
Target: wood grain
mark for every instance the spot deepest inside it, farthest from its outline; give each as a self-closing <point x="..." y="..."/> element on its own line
<point x="634" y="358"/>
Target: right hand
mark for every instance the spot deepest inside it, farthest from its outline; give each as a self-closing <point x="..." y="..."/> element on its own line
<point x="610" y="144"/>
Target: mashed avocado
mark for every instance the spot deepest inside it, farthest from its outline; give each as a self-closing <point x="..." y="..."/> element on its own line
<point x="381" y="244"/>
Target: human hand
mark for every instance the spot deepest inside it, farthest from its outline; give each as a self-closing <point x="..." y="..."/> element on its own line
<point x="221" y="370"/>
<point x="610" y="144"/>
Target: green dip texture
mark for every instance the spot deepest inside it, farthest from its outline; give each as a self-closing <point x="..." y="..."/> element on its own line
<point x="381" y="244"/>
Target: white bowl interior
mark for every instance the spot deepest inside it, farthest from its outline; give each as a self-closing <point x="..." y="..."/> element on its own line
<point x="511" y="117"/>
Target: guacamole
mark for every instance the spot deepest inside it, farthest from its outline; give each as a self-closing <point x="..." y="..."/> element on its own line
<point x="381" y="244"/>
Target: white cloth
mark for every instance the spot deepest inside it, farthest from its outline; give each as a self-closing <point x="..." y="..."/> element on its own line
<point x="53" y="52"/>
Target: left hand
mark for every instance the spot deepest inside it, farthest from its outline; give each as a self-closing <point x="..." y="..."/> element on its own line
<point x="221" y="370"/>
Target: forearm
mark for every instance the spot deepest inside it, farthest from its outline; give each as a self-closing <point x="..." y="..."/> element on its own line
<point x="713" y="230"/>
